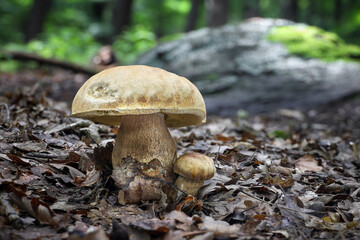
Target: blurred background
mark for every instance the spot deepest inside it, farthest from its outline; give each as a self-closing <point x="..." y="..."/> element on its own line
<point x="236" y="63"/>
<point x="74" y="30"/>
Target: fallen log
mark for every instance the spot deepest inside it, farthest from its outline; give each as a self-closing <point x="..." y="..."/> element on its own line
<point x="25" y="56"/>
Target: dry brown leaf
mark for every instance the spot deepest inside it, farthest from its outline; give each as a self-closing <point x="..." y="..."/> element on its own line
<point x="35" y="207"/>
<point x="189" y="204"/>
<point x="183" y="221"/>
<point x="19" y="160"/>
<point x="30" y="146"/>
<point x="308" y="163"/>
<point x="73" y="171"/>
<point x="155" y="225"/>
<point x="91" y="178"/>
<point x="218" y="227"/>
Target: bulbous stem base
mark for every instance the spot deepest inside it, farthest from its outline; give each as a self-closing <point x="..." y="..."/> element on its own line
<point x="143" y="157"/>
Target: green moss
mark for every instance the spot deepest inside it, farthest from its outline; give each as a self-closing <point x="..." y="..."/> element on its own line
<point x="279" y="134"/>
<point x="313" y="42"/>
<point x="133" y="42"/>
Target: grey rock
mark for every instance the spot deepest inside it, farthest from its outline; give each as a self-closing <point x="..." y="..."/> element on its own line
<point x="235" y="68"/>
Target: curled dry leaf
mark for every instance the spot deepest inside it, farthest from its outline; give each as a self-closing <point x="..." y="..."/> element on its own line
<point x="19" y="160"/>
<point x="91" y="178"/>
<point x="35" y="207"/>
<point x="189" y="204"/>
<point x="75" y="174"/>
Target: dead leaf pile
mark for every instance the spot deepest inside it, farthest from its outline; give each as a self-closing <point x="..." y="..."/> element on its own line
<point x="278" y="176"/>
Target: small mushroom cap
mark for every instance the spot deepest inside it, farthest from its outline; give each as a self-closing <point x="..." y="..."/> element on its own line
<point x="194" y="166"/>
<point x="136" y="90"/>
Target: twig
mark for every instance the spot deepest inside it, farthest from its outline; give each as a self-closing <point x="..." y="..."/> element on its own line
<point x="90" y="194"/>
<point x="36" y="155"/>
<point x="97" y="198"/>
<point x="273" y="204"/>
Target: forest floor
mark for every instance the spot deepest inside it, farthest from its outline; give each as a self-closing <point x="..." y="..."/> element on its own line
<point x="285" y="174"/>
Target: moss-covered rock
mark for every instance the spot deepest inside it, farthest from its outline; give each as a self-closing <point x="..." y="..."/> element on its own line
<point x="314" y="42"/>
<point x="237" y="67"/>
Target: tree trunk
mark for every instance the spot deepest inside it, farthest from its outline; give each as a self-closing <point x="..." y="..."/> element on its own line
<point x="217" y="11"/>
<point x="97" y="9"/>
<point x="338" y="11"/>
<point x="192" y="16"/>
<point x="251" y="9"/>
<point x="38" y="13"/>
<point x="160" y="19"/>
<point x="121" y="17"/>
<point x="290" y="10"/>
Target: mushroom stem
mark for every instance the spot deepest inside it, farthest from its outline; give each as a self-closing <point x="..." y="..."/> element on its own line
<point x="144" y="138"/>
<point x="190" y="187"/>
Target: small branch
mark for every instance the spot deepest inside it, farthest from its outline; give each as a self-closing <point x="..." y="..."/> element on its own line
<point x="24" y="56"/>
<point x="272" y="204"/>
<point x="91" y="193"/>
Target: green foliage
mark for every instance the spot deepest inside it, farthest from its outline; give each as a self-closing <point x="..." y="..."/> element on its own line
<point x="268" y="9"/>
<point x="67" y="44"/>
<point x="350" y="25"/>
<point x="133" y="42"/>
<point x="9" y="66"/>
<point x="66" y="16"/>
<point x="313" y="42"/>
<point x="279" y="134"/>
<point x="164" y="17"/>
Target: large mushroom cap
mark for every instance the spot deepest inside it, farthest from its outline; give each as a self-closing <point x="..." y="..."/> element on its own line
<point x="136" y="90"/>
<point x="194" y="166"/>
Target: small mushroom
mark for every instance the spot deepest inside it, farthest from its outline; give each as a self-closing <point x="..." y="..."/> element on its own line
<point x="193" y="168"/>
<point x="144" y="101"/>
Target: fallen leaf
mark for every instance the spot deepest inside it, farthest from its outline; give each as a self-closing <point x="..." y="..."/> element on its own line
<point x="218" y="227"/>
<point x="308" y="163"/>
<point x="35" y="207"/>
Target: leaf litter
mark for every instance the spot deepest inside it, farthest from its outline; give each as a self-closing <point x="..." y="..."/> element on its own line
<point x="282" y="175"/>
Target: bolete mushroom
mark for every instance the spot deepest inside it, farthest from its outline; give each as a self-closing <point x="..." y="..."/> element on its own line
<point x="193" y="168"/>
<point x="144" y="101"/>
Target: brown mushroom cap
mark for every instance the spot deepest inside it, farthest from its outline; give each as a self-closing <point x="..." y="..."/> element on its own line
<point x="136" y="90"/>
<point x="194" y="166"/>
